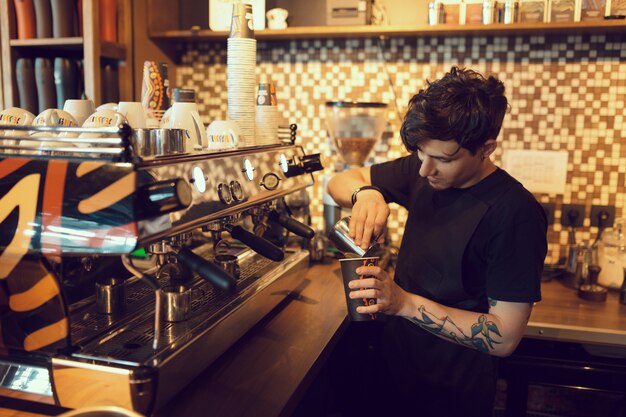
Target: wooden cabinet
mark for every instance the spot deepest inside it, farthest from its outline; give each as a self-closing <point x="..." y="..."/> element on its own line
<point x="89" y="48"/>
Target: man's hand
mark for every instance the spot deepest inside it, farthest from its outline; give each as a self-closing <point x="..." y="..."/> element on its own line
<point x="369" y="218"/>
<point x="390" y="298"/>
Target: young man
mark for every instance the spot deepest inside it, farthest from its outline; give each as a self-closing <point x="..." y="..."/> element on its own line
<point x="471" y="256"/>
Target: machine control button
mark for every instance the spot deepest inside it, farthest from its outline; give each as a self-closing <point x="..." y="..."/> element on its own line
<point x="270" y="181"/>
<point x="283" y="162"/>
<point x="198" y="179"/>
<point x="236" y="190"/>
<point x="224" y="193"/>
<point x="248" y="169"/>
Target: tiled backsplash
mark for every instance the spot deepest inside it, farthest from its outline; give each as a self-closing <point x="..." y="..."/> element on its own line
<point x="566" y="93"/>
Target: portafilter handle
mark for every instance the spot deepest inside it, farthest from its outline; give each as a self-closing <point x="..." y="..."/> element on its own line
<point x="215" y="275"/>
<point x="291" y="224"/>
<point x="257" y="243"/>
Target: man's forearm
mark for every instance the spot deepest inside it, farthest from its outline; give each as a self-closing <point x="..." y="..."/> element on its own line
<point x="480" y="331"/>
<point x="342" y="185"/>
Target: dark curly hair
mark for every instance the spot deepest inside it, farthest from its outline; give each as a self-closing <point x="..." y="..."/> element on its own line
<point x="463" y="106"/>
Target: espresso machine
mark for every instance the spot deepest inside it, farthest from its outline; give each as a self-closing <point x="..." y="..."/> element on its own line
<point x="128" y="266"/>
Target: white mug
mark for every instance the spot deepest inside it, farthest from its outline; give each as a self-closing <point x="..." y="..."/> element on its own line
<point x="15" y="116"/>
<point x="107" y="106"/>
<point x="102" y="118"/>
<point x="277" y="18"/>
<point x="134" y="113"/>
<point x="80" y="109"/>
<point x="223" y="134"/>
<point x="185" y="116"/>
<point x="55" y="118"/>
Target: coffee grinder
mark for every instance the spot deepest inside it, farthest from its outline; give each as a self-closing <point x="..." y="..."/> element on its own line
<point x="354" y="128"/>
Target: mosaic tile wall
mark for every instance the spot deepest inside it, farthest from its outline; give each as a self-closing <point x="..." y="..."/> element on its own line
<point x="566" y="93"/>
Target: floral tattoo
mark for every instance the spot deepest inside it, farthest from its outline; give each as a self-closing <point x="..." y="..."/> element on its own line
<point x="482" y="332"/>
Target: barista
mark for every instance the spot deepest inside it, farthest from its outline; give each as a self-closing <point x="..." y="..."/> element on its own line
<point x="471" y="257"/>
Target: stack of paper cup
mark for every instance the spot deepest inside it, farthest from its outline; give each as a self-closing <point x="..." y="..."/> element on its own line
<point x="241" y="64"/>
<point x="266" y="115"/>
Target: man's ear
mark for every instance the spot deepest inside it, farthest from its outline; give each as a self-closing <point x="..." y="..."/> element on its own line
<point x="488" y="148"/>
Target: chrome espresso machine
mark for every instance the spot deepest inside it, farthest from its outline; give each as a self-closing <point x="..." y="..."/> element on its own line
<point x="127" y="267"/>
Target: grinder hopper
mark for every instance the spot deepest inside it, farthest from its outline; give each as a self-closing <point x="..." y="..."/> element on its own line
<point x="355" y="128"/>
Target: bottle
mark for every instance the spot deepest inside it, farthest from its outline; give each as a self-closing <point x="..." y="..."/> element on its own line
<point x="487" y="12"/>
<point x="43" y="15"/>
<point x="63" y="18"/>
<point x="65" y="80"/>
<point x="44" y="78"/>
<point x="110" y="84"/>
<point x="25" y="14"/>
<point x="108" y="20"/>
<point x="432" y="13"/>
<point x="26" y="86"/>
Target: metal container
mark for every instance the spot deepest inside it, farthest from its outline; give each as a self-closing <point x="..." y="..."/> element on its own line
<point x="340" y="237"/>
<point x="110" y="296"/>
<point x="228" y="263"/>
<point x="158" y="142"/>
<point x="176" y="303"/>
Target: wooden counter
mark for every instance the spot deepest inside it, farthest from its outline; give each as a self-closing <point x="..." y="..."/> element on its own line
<point x="267" y="371"/>
<point x="565" y="317"/>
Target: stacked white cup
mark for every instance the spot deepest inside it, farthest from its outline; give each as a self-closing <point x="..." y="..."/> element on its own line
<point x="241" y="65"/>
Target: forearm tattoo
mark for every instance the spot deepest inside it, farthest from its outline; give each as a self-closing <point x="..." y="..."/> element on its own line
<point x="482" y="332"/>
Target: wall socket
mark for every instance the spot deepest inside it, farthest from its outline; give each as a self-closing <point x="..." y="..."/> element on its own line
<point x="606" y="213"/>
<point x="572" y="215"/>
<point x="549" y="209"/>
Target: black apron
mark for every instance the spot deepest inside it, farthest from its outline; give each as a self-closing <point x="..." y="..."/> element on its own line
<point x="428" y="370"/>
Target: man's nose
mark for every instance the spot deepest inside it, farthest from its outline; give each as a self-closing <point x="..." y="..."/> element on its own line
<point x="427" y="168"/>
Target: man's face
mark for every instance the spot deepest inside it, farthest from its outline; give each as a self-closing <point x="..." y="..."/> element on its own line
<point x="446" y="165"/>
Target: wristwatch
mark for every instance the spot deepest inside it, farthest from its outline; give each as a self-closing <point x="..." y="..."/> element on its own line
<point x="365" y="187"/>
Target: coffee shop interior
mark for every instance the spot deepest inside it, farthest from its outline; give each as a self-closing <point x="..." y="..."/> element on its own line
<point x="164" y="219"/>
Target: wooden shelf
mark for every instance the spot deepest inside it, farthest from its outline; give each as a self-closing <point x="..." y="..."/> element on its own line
<point x="111" y="50"/>
<point x="38" y="42"/>
<point x="313" y="32"/>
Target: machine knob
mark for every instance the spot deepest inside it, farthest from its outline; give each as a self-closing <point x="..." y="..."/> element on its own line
<point x="224" y="193"/>
<point x="163" y="197"/>
<point x="236" y="190"/>
<point x="270" y="181"/>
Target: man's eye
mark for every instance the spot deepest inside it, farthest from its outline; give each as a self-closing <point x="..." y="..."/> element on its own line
<point x="445" y="161"/>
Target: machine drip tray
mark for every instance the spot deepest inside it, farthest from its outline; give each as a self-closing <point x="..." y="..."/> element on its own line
<point x="130" y="344"/>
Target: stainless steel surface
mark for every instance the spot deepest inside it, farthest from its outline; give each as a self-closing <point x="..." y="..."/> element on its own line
<point x="176" y="303"/>
<point x="110" y="296"/>
<point x="340" y="237"/>
<point x="577" y="334"/>
<point x="228" y="263"/>
<point x="158" y="142"/>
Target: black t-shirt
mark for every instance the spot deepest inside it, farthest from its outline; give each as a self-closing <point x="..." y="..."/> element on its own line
<point x="504" y="257"/>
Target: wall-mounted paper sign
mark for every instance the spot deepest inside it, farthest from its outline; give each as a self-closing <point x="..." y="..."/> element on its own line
<point x="538" y="171"/>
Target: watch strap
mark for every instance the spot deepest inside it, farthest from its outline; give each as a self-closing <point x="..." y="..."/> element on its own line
<point x="365" y="187"/>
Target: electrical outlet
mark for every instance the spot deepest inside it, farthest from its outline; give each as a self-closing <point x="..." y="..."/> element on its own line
<point x="549" y="209"/>
<point x="572" y="215"/>
<point x="602" y="214"/>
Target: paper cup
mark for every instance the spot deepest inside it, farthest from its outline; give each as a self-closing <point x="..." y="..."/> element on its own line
<point x="348" y="273"/>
